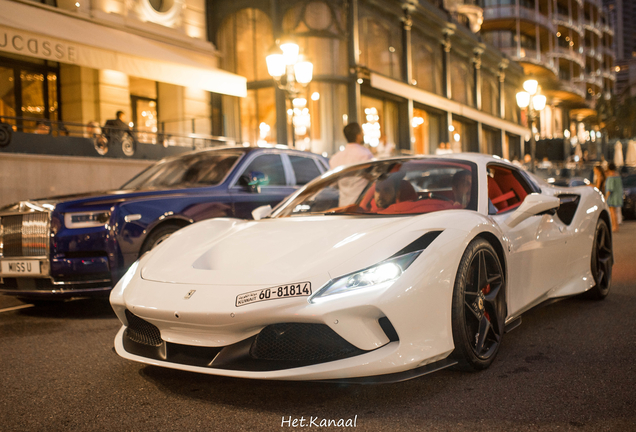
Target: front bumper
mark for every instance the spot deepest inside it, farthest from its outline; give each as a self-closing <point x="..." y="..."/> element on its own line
<point x="59" y="278"/>
<point x="384" y="364"/>
<point x="204" y="328"/>
<point x="65" y="263"/>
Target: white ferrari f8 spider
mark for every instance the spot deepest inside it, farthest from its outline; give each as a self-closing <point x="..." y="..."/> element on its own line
<point x="376" y="272"/>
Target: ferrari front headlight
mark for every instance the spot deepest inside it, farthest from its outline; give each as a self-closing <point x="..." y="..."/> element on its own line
<point x="381" y="275"/>
<point x="86" y="219"/>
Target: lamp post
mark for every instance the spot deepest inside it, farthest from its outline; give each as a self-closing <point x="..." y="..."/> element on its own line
<point x="534" y="101"/>
<point x="290" y="71"/>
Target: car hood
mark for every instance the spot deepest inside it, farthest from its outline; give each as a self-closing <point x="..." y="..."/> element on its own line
<point x="82" y="201"/>
<point x="278" y="251"/>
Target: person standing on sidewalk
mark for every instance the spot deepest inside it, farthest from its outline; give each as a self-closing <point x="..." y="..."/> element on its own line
<point x="354" y="152"/>
<point x="614" y="194"/>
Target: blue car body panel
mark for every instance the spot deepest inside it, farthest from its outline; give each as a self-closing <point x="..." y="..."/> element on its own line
<point x="89" y="261"/>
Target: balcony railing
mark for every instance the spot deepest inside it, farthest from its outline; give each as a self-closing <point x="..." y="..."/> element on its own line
<point x="41" y="136"/>
<point x="498" y="12"/>
<point x="593" y="27"/>
<point x="570" y="54"/>
<point x="594" y="80"/>
<point x="531" y="56"/>
<point x="566" y="21"/>
<point x="576" y="88"/>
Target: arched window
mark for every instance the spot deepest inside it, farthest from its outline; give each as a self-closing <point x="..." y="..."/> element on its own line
<point x="244" y="39"/>
<point x="319" y="28"/>
<point x="427" y="64"/>
<point x="380" y="46"/>
<point x="320" y="31"/>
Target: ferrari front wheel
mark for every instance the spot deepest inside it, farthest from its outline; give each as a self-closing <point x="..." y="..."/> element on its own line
<point x="479" y="307"/>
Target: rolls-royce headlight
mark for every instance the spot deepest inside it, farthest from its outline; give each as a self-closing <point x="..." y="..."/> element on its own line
<point x="381" y="275"/>
<point x="86" y="219"/>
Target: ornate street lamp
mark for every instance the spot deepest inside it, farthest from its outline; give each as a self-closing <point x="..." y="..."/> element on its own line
<point x="290" y="71"/>
<point x="534" y="101"/>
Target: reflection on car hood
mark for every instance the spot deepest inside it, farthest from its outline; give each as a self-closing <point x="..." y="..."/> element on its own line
<point x="88" y="199"/>
<point x="269" y="252"/>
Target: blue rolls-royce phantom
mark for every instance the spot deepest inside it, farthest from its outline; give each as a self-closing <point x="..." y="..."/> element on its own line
<point x="78" y="246"/>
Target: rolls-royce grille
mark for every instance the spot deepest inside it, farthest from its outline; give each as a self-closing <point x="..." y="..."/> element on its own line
<point x="300" y="342"/>
<point x="24" y="234"/>
<point x="141" y="331"/>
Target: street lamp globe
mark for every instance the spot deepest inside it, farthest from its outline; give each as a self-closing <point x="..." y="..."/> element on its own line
<point x="276" y="66"/>
<point x="303" y="71"/>
<point x="523" y="99"/>
<point x="290" y="52"/>
<point x="531" y="86"/>
<point x="538" y="102"/>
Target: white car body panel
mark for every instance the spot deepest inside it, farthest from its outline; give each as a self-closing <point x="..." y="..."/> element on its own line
<point x="222" y="258"/>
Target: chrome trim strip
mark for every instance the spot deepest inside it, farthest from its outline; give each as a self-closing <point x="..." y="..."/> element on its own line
<point x="80" y="282"/>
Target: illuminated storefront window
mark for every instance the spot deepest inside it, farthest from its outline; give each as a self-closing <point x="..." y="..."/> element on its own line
<point x="427" y="128"/>
<point x="258" y="116"/>
<point x="380" y="125"/>
<point x="463" y="136"/>
<point x="7" y="94"/>
<point x="29" y="91"/>
<point x="491" y="138"/>
<point x="244" y="38"/>
<point x="143" y="100"/>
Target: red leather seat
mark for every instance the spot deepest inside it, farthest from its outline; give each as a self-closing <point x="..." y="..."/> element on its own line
<point x="495" y="195"/>
<point x="406" y="192"/>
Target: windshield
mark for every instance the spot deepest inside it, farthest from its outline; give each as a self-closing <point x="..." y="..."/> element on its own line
<point x="193" y="170"/>
<point x="389" y="187"/>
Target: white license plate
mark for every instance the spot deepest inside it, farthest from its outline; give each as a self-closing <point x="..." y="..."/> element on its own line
<point x="19" y="268"/>
<point x="302" y="289"/>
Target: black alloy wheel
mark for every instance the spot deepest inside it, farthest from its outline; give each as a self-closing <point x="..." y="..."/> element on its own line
<point x="479" y="307"/>
<point x="602" y="261"/>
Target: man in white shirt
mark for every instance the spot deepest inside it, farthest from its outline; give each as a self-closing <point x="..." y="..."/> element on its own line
<point x="354" y="152"/>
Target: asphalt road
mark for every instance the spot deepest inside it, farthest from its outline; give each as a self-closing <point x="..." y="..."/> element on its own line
<point x="569" y="366"/>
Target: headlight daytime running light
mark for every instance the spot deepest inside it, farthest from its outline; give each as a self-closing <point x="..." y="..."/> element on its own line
<point x="126" y="279"/>
<point x="381" y="275"/>
<point x="86" y="219"/>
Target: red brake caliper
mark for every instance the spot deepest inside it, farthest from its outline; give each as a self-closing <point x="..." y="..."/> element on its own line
<point x="486" y="290"/>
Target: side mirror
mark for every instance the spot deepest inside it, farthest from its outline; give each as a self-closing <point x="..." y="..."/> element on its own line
<point x="533" y="205"/>
<point x="254" y="180"/>
<point x="262" y="212"/>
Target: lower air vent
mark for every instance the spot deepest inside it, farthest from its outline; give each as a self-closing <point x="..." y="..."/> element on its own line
<point x="300" y="342"/>
<point x="142" y="331"/>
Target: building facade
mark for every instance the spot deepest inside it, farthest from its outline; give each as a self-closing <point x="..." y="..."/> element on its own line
<point x="567" y="46"/>
<point x="622" y="17"/>
<point x="409" y="73"/>
<point x="82" y="61"/>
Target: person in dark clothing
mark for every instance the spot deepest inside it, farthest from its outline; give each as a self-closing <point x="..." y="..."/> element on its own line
<point x="117" y="128"/>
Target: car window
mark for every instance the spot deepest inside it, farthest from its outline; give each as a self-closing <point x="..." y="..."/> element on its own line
<point x="193" y="170"/>
<point x="507" y="189"/>
<point x="305" y="169"/>
<point x="391" y="187"/>
<point x="271" y="165"/>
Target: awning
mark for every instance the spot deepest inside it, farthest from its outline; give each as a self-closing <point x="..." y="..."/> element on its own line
<point x="36" y="32"/>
